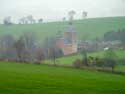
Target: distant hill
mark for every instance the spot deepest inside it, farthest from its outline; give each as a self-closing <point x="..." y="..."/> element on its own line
<point x="86" y="29"/>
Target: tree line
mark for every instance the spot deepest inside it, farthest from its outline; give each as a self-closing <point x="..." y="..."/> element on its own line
<point x="115" y="35"/>
<point x="108" y="61"/>
<point x="24" y="20"/>
<point x="27" y="49"/>
<point x="31" y="20"/>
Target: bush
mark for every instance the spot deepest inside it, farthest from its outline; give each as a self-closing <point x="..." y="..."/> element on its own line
<point x="77" y="63"/>
<point x="37" y="63"/>
<point x="99" y="62"/>
<point x="111" y="63"/>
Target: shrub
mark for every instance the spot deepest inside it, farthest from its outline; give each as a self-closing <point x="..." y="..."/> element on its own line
<point x="77" y="63"/>
<point x="99" y="62"/>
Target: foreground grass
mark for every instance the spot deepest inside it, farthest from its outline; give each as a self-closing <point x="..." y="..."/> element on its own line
<point x="40" y="79"/>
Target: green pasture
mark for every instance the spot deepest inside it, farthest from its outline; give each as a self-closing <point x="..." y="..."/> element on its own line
<point x="16" y="78"/>
<point x="86" y="29"/>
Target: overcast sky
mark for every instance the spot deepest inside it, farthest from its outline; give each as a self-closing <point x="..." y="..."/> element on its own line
<point x="51" y="10"/>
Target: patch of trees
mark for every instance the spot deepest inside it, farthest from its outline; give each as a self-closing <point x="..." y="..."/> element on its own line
<point x="71" y="15"/>
<point x="27" y="49"/>
<point x="7" y="51"/>
<point x="24" y="20"/>
<point x="7" y="20"/>
<point x="84" y="14"/>
<point x="23" y="49"/>
<point x="115" y="35"/>
<point x="40" y="20"/>
<point x="27" y="20"/>
<point x="107" y="62"/>
<point x="52" y="51"/>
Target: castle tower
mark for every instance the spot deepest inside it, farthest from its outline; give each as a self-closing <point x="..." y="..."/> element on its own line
<point x="70" y="35"/>
<point x="70" y="41"/>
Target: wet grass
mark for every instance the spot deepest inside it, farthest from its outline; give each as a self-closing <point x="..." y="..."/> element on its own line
<point x="18" y="78"/>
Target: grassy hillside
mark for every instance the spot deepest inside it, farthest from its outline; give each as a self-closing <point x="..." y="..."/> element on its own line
<point x="39" y="79"/>
<point x="86" y="29"/>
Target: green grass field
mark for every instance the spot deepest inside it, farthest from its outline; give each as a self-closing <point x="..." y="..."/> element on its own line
<point x="18" y="78"/>
<point x="86" y="29"/>
<point x="119" y="54"/>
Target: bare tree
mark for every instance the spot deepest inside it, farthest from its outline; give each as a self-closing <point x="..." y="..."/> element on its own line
<point x="20" y="46"/>
<point x="110" y="59"/>
<point x="7" y="51"/>
<point x="52" y="54"/>
<point x="71" y="16"/>
<point x="25" y="47"/>
<point x="84" y="14"/>
<point x="23" y="20"/>
<point x="30" y="45"/>
<point x="52" y="51"/>
<point x="85" y="57"/>
<point x="40" y="20"/>
<point x="64" y="19"/>
<point x="30" y="19"/>
<point x="39" y="55"/>
<point x="7" y="20"/>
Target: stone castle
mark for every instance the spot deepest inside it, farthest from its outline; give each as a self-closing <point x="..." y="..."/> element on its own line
<point x="68" y="42"/>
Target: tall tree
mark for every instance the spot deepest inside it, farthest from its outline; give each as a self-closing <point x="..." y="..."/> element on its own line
<point x="71" y="16"/>
<point x="84" y="14"/>
<point x="7" y="20"/>
<point x="7" y="50"/>
<point x="23" y="20"/>
<point x="52" y="51"/>
<point x="64" y="19"/>
<point x="110" y="58"/>
<point x="40" y="20"/>
<point x="30" y="19"/>
<point x="121" y="34"/>
<point x="20" y="48"/>
<point x="25" y="47"/>
<point x="85" y="57"/>
<point x="39" y="55"/>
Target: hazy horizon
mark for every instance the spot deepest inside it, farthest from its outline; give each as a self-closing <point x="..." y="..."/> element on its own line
<point x="55" y="10"/>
